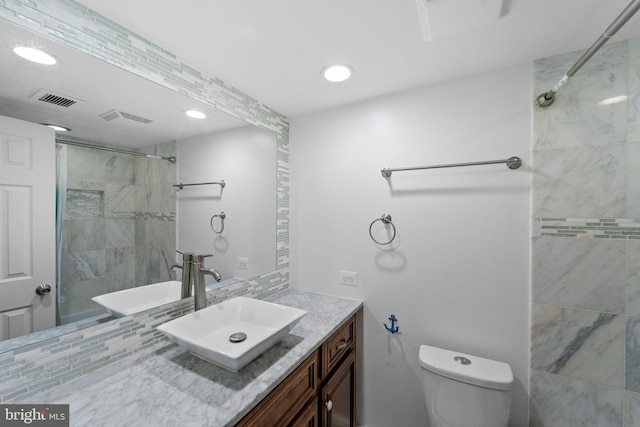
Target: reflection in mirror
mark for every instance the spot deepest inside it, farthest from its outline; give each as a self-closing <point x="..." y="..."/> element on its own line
<point x="119" y="214"/>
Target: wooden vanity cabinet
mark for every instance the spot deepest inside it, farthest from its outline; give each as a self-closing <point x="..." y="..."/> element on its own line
<point x="282" y="405"/>
<point x="337" y="396"/>
<point x="320" y="392"/>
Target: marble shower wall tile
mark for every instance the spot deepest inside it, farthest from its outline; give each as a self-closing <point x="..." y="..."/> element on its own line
<point x="580" y="183"/>
<point x="631" y="409"/>
<point x="576" y="119"/>
<point x="579" y="344"/>
<point x="633" y="177"/>
<point x="558" y="401"/>
<point x="633" y="103"/>
<point x="633" y="278"/>
<point x="579" y="273"/>
<point x="632" y="371"/>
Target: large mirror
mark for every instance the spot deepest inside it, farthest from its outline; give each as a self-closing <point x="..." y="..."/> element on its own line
<point x="121" y="217"/>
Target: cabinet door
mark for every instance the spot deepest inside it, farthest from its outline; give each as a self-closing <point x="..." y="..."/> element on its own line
<point x="308" y="417"/>
<point x="338" y="405"/>
<point x="290" y="397"/>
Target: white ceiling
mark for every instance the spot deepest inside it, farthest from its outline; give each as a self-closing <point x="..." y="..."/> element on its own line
<point x="99" y="88"/>
<point x="274" y="50"/>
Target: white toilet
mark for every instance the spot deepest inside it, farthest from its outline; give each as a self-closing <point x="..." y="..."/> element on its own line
<point x="464" y="391"/>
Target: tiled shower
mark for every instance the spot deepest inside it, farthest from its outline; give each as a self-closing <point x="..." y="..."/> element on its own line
<point x="585" y="326"/>
<point x="118" y="228"/>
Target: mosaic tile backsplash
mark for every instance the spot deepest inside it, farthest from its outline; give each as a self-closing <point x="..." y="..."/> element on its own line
<point x="585" y="329"/>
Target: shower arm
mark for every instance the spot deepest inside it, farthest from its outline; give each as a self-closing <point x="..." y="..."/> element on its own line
<point x="547" y="98"/>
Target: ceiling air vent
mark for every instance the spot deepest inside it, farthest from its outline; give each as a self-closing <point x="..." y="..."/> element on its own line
<point x="54" y="98"/>
<point x="116" y="114"/>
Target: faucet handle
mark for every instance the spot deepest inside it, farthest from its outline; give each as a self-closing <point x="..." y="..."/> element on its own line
<point x="186" y="256"/>
<point x="200" y="258"/>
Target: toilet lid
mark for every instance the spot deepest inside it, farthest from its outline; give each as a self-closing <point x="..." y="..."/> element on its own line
<point x="466" y="368"/>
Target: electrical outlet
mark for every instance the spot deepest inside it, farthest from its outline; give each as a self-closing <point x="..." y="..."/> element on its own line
<point x="348" y="278"/>
<point x="243" y="263"/>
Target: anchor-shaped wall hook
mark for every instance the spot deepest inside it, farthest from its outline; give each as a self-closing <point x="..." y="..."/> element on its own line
<point x="393" y="329"/>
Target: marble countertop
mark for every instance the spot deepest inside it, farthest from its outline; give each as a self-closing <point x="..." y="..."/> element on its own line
<point x="169" y="386"/>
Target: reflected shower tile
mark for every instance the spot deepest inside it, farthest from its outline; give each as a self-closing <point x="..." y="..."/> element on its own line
<point x="121" y="261"/>
<point x="81" y="235"/>
<point x="120" y="169"/>
<point x="580" y="344"/>
<point x="579" y="273"/>
<point x="119" y="199"/>
<point x="631" y="409"/>
<point x="633" y="179"/>
<point x="633" y="278"/>
<point x="155" y="198"/>
<point x="83" y="265"/>
<point x="120" y="233"/>
<point x="86" y="168"/>
<point x="580" y="182"/>
<point x="150" y="171"/>
<point x="577" y="117"/>
<point x="78" y="296"/>
<point x="153" y="266"/>
<point x="558" y="401"/>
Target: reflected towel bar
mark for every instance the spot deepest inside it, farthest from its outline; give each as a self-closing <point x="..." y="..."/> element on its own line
<point x="181" y="185"/>
<point x="512" y="163"/>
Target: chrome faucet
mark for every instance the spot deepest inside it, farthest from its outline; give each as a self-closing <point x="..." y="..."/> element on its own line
<point x="186" y="267"/>
<point x="192" y="270"/>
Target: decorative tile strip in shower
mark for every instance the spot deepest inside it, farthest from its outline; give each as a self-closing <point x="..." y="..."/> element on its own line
<point x="590" y="228"/>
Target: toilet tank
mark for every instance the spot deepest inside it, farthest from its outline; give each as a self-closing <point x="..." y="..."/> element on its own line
<point x="462" y="390"/>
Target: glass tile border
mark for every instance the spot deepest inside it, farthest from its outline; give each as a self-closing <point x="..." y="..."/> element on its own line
<point x="588" y="228"/>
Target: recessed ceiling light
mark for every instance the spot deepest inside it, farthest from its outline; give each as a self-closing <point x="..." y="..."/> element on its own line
<point x="195" y="114"/>
<point x="337" y="73"/>
<point x="57" y="128"/>
<point x="34" y="55"/>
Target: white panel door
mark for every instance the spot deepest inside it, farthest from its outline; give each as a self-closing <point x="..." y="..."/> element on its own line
<point x="27" y="227"/>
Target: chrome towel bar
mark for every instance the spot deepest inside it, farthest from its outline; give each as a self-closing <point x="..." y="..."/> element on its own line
<point x="512" y="163"/>
<point x="181" y="185"/>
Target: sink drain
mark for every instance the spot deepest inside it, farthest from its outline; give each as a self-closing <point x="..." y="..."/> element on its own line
<point x="238" y="337"/>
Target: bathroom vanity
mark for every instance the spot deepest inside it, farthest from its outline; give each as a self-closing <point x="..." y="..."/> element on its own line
<point x="319" y="390"/>
<point x="303" y="380"/>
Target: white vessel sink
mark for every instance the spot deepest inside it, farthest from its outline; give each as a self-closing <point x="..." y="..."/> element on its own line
<point x="207" y="332"/>
<point x="130" y="301"/>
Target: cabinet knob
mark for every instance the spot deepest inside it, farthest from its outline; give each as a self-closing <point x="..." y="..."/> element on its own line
<point x="329" y="405"/>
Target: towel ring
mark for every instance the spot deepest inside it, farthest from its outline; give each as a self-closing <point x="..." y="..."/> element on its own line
<point x="222" y="216"/>
<point x="386" y="219"/>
